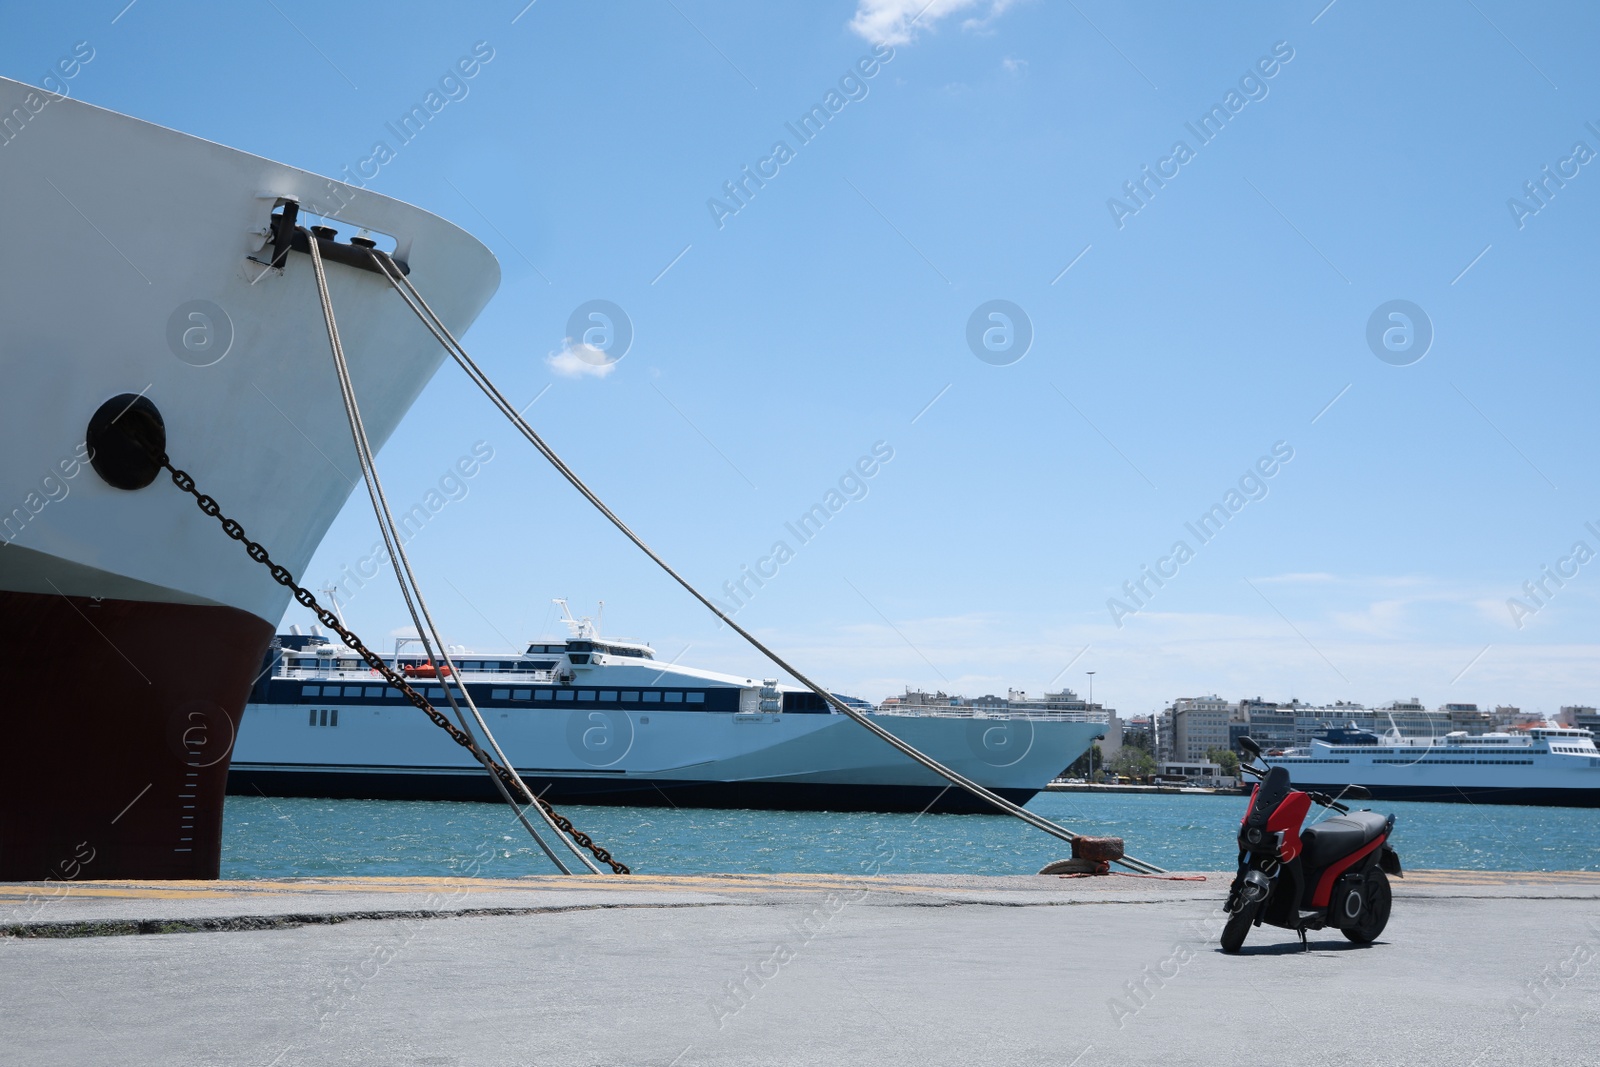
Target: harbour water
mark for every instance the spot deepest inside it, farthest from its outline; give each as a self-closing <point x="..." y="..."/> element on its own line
<point x="280" y="838"/>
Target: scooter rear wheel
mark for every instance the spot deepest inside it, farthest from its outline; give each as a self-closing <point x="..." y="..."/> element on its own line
<point x="1375" y="915"/>
<point x="1238" y="925"/>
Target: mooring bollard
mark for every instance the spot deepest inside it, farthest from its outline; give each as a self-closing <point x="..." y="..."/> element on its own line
<point x="1090" y="855"/>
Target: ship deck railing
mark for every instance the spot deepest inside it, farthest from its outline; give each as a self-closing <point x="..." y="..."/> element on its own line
<point x="368" y="677"/>
<point x="938" y="711"/>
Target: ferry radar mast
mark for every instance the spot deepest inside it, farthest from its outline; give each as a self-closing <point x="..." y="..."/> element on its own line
<point x="580" y="629"/>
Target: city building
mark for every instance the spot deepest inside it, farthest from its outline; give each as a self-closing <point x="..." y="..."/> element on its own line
<point x="1193" y="726"/>
<point x="1467" y="717"/>
<point x="1065" y="701"/>
<point x="1140" y="730"/>
<point x="1580" y="716"/>
<point x="1199" y="724"/>
<point x="1196" y="772"/>
<point x="1270" y="725"/>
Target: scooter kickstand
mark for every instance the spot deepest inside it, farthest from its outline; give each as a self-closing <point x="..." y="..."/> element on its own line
<point x="1305" y="946"/>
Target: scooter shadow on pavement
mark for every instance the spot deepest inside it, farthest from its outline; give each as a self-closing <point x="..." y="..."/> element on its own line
<point x="1294" y="948"/>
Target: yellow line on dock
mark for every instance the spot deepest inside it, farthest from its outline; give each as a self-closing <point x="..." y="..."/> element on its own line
<point x="730" y="884"/>
<point x="179" y="890"/>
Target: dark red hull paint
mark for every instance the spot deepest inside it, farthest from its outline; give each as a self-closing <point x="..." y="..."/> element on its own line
<point x="117" y="737"/>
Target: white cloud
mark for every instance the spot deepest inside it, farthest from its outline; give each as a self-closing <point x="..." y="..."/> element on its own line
<point x="579" y="361"/>
<point x="1013" y="65"/>
<point x="1300" y="578"/>
<point x="896" y="22"/>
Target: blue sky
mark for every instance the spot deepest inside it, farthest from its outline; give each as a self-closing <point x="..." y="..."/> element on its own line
<point x="1176" y="339"/>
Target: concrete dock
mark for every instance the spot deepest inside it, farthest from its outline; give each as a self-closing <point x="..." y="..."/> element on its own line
<point x="1476" y="969"/>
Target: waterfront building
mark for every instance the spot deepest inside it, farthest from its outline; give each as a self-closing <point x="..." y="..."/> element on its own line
<point x="1199" y="724"/>
<point x="1466" y="717"/>
<point x="1192" y="726"/>
<point x="1271" y="725"/>
<point x="1166" y="743"/>
<point x="1580" y="716"/>
<point x="1140" y="730"/>
<point x="1197" y="772"/>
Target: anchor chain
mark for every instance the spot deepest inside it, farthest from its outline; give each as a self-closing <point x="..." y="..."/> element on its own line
<point x="281" y="575"/>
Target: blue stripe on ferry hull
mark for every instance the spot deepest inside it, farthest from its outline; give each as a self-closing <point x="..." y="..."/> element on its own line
<point x="400" y="784"/>
<point x="1562" y="798"/>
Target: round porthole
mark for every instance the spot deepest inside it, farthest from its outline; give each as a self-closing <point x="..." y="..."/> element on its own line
<point x="124" y="437"/>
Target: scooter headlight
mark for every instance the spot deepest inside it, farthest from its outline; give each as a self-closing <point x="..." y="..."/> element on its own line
<point x="1254" y="836"/>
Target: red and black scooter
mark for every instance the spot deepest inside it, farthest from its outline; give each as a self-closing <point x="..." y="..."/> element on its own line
<point x="1332" y="873"/>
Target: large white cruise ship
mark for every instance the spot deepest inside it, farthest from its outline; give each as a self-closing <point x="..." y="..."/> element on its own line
<point x="1544" y="765"/>
<point x="602" y="721"/>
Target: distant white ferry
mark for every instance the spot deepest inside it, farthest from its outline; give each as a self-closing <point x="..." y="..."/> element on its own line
<point x="1544" y="765"/>
<point x="601" y="721"/>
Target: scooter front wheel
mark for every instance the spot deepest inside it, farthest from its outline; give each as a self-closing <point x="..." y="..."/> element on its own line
<point x="1238" y="925"/>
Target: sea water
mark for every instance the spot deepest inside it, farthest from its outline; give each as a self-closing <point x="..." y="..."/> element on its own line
<point x="268" y="837"/>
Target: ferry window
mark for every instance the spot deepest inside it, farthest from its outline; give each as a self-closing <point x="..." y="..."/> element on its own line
<point x="652" y="698"/>
<point x="586" y="694"/>
<point x="436" y="694"/>
<point x="374" y="690"/>
<point x="311" y="690"/>
<point x="324" y="716"/>
<point x="500" y="694"/>
<point x="333" y="718"/>
<point x="544" y="694"/>
<point x="563" y="694"/>
<point x="313" y="716"/>
<point x="391" y="693"/>
<point x="472" y="665"/>
<point x="696" y="698"/>
<point x="352" y="690"/>
<point x="674" y="698"/>
<point x="608" y="695"/>
<point x="521" y="694"/>
<point x="630" y="698"/>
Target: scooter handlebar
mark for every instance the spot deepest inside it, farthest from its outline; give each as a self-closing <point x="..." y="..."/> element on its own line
<point x="1328" y="802"/>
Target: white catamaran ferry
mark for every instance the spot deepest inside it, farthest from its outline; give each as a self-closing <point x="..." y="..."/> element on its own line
<point x="602" y="721"/>
<point x="1544" y="765"/>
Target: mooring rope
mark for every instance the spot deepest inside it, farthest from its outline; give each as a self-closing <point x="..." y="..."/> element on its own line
<point x="442" y="334"/>
<point x="448" y="677"/>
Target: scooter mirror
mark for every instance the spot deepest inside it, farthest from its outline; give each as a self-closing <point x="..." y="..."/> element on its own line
<point x="1248" y="743"/>
<point x="1357" y="792"/>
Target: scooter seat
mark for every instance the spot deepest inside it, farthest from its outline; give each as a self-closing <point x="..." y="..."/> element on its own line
<point x="1333" y="839"/>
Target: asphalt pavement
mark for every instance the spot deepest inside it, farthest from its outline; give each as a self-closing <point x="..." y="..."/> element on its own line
<point x="1475" y="970"/>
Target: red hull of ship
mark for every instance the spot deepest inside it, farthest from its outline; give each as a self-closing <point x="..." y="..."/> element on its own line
<point x="118" y="734"/>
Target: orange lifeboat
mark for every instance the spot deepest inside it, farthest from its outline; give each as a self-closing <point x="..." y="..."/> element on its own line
<point x="425" y="670"/>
